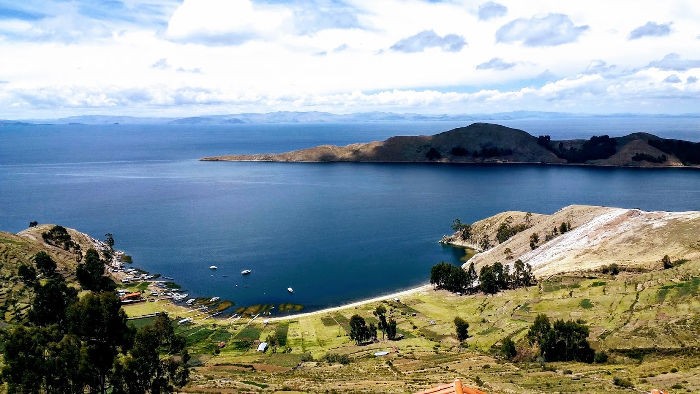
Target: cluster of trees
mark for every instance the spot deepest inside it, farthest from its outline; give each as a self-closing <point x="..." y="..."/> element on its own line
<point x="360" y="332"/>
<point x="90" y="273"/>
<point x="58" y="236"/>
<point x="69" y="345"/>
<point x="561" y="341"/>
<point x="464" y="230"/>
<point x="649" y="158"/>
<point x="687" y="152"/>
<point x="484" y="152"/>
<point x="491" y="278"/>
<point x="597" y="147"/>
<point x="506" y="229"/>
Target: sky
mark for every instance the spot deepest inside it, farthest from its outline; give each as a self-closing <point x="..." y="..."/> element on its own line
<point x="204" y="57"/>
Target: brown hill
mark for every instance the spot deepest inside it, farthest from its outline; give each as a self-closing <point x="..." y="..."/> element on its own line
<point x="491" y="143"/>
<point x="599" y="236"/>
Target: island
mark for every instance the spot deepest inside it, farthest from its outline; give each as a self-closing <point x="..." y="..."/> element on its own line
<point x="493" y="143"/>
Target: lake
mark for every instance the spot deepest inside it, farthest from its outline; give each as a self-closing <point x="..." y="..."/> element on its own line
<point x="336" y="233"/>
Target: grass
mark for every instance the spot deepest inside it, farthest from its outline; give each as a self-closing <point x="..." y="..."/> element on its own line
<point x="586" y="303"/>
<point x="618" y="312"/>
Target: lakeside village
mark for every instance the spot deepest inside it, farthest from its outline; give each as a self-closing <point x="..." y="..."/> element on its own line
<point x="135" y="285"/>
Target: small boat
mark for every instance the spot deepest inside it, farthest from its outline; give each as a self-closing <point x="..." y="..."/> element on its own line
<point x="213" y="267"/>
<point x="289" y="289"/>
<point x="245" y="272"/>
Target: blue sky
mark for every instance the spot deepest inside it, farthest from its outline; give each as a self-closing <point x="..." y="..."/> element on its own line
<point x="194" y="57"/>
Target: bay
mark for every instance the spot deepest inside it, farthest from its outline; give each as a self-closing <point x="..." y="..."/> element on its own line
<point x="334" y="232"/>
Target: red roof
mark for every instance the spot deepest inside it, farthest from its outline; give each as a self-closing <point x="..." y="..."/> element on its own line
<point x="452" y="388"/>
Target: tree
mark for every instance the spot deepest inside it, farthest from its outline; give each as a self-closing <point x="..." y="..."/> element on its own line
<point x="563" y="341"/>
<point x="522" y="275"/>
<point x="433" y="154"/>
<point x="667" y="262"/>
<point x="23" y="360"/>
<point x="534" y="240"/>
<point x="485" y="243"/>
<point x="449" y="277"/>
<point x="463" y="229"/>
<point x="143" y="370"/>
<point x="461" y="328"/>
<point x="508" y="348"/>
<point x="391" y="329"/>
<point x="380" y="313"/>
<point x="564" y="227"/>
<point x="359" y="330"/>
<point x="109" y="240"/>
<point x="90" y="274"/>
<point x="28" y="274"/>
<point x="100" y="323"/>
<point x="488" y="281"/>
<point x="502" y="275"/>
<point x="538" y="332"/>
<point x="470" y="278"/>
<point x="45" y="263"/>
<point x="51" y="302"/>
<point x="33" y="223"/>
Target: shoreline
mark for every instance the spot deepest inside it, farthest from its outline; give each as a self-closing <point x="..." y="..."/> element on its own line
<point x="397" y="294"/>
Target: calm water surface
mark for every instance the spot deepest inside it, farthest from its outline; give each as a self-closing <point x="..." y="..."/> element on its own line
<point x="334" y="232"/>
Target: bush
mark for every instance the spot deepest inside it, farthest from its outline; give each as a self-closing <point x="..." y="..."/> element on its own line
<point x="508" y="348"/>
<point x="612" y="269"/>
<point x="622" y="382"/>
<point x="600" y="357"/>
<point x="333" y="358"/>
<point x="307" y="357"/>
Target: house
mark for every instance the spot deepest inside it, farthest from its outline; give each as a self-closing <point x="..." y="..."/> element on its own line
<point x="262" y="347"/>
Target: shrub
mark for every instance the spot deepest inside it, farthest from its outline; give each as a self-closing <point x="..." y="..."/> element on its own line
<point x="612" y="269"/>
<point x="333" y="358"/>
<point x="600" y="357"/>
<point x="586" y="304"/>
<point x="622" y="382"/>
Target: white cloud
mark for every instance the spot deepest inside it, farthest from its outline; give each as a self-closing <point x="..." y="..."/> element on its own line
<point x="227" y="22"/>
<point x="429" y="39"/>
<point x="651" y="29"/>
<point x="495" y="63"/>
<point x="490" y="10"/>
<point x="673" y="61"/>
<point x="552" y="29"/>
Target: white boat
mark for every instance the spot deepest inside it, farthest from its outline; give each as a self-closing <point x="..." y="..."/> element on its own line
<point x="245" y="272"/>
<point x="289" y="289"/>
<point x="213" y="267"/>
<point x="214" y="299"/>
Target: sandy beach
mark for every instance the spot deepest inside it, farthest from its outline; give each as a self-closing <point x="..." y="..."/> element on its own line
<point x="426" y="287"/>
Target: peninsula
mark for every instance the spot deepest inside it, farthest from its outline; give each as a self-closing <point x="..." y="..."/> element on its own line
<point x="492" y="143"/>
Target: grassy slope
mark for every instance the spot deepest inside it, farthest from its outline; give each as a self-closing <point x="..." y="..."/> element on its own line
<point x="655" y="312"/>
<point x="18" y="249"/>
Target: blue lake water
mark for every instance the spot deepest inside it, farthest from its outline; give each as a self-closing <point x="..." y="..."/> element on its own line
<point x="334" y="232"/>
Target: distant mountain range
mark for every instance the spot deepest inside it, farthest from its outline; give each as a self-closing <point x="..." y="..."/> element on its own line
<point x="313" y="117"/>
<point x="492" y="143"/>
